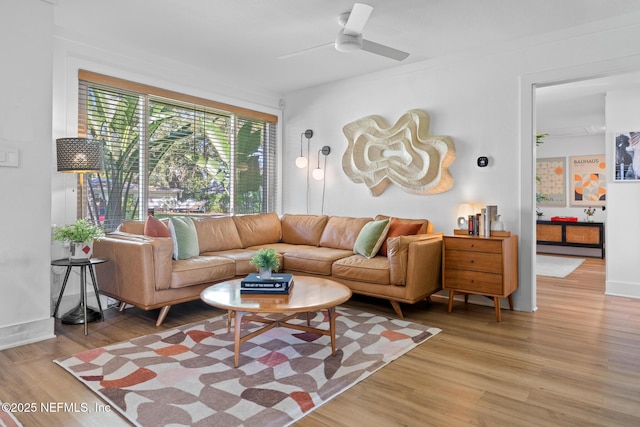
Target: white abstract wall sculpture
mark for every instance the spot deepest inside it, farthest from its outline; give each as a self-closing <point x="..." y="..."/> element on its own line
<point x="404" y="154"/>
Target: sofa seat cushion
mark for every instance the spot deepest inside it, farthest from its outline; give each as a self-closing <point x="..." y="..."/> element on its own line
<point x="314" y="261"/>
<point x="201" y="269"/>
<point x="240" y="258"/>
<point x="363" y="269"/>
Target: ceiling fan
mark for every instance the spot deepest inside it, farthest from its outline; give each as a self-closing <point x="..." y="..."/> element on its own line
<point x="350" y="39"/>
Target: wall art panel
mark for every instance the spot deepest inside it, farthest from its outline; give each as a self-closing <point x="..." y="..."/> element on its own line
<point x="403" y="154"/>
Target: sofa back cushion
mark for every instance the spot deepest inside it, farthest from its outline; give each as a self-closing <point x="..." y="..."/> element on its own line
<point x="303" y="229"/>
<point x="217" y="234"/>
<point x="133" y="227"/>
<point x="258" y="229"/>
<point x="341" y="232"/>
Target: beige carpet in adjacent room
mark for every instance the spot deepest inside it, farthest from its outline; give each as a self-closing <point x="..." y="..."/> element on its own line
<point x="555" y="266"/>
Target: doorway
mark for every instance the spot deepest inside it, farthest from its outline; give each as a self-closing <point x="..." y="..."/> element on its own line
<point x="596" y="73"/>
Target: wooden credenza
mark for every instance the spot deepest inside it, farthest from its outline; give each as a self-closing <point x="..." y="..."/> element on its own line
<point x="570" y="238"/>
<point x="480" y="265"/>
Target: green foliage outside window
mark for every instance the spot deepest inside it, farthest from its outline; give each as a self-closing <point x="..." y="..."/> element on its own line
<point x="197" y="160"/>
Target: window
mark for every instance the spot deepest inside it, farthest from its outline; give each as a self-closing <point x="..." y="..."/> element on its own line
<point x="173" y="154"/>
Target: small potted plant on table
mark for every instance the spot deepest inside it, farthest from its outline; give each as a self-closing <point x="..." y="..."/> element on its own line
<point x="590" y="212"/>
<point x="266" y="260"/>
<point x="80" y="236"/>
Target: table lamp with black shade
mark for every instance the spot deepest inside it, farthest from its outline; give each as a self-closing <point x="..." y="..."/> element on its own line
<point x="79" y="156"/>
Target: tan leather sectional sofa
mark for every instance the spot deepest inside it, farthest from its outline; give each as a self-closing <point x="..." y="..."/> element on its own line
<point x="141" y="271"/>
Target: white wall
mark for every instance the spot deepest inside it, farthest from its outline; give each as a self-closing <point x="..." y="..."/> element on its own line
<point x="483" y="100"/>
<point x="622" y="115"/>
<point x="25" y="124"/>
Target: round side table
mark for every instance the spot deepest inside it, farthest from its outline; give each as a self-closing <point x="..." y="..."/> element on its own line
<point x="81" y="314"/>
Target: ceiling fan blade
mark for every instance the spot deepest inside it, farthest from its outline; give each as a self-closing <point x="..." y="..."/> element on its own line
<point x="303" y="51"/>
<point x="383" y="50"/>
<point x="357" y="19"/>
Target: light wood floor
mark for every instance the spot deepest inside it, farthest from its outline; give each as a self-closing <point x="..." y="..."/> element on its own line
<point x="574" y="362"/>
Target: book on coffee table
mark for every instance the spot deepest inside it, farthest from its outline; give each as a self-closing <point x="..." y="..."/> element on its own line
<point x="278" y="284"/>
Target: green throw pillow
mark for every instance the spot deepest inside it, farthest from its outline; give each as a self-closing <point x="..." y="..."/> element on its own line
<point x="185" y="238"/>
<point x="371" y="238"/>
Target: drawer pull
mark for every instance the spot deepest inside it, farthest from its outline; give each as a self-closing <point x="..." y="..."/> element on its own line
<point x="472" y="261"/>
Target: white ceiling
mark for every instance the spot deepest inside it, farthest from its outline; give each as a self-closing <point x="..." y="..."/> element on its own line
<point x="242" y="39"/>
<point x="578" y="108"/>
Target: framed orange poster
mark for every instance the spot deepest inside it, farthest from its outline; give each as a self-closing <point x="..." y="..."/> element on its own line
<point x="550" y="181"/>
<point x="588" y="180"/>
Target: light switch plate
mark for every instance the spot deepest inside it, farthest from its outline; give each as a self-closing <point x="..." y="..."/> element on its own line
<point x="9" y="157"/>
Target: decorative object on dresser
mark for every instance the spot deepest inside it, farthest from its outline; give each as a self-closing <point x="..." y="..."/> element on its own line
<point x="481" y="265"/>
<point x="481" y="223"/>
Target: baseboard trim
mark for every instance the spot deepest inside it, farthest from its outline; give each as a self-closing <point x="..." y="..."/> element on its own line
<point x="26" y="333"/>
<point x="622" y="289"/>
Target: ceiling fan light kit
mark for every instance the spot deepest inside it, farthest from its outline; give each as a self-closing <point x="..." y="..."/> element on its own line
<point x="349" y="38"/>
<point x="348" y="42"/>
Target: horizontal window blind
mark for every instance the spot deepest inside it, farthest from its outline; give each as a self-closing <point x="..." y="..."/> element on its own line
<point x="167" y="156"/>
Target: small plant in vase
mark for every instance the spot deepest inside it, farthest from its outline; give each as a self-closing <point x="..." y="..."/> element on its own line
<point x="266" y="260"/>
<point x="590" y="212"/>
<point x="80" y="236"/>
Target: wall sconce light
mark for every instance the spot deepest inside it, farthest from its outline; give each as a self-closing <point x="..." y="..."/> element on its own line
<point x="318" y="174"/>
<point x="302" y="161"/>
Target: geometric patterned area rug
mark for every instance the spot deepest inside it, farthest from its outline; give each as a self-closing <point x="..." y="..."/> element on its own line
<point x="7" y="419"/>
<point x="185" y="376"/>
<point x="553" y="266"/>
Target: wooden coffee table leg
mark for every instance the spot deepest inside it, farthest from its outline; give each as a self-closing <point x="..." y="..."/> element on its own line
<point x="332" y="328"/>
<point x="237" y="326"/>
